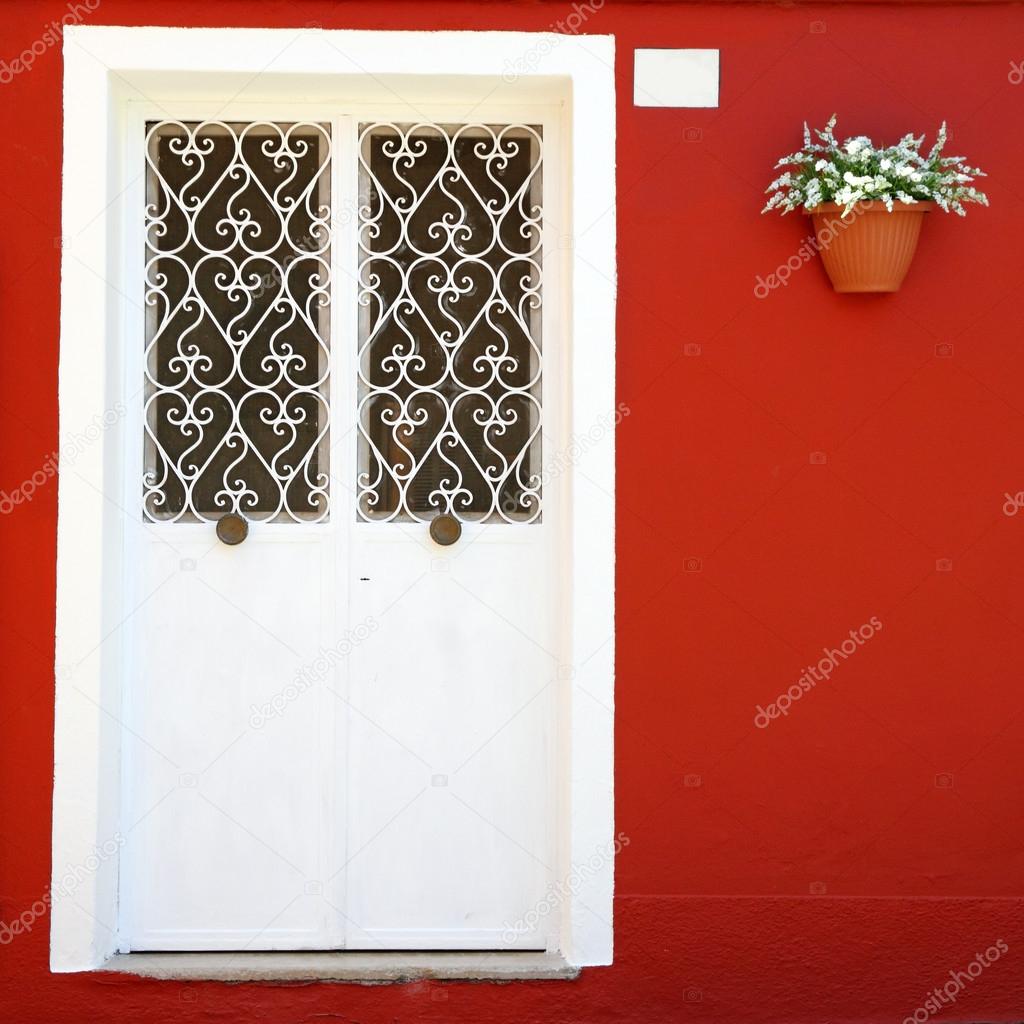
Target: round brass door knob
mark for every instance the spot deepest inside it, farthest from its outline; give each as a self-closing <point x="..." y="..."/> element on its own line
<point x="232" y="528"/>
<point x="445" y="529"/>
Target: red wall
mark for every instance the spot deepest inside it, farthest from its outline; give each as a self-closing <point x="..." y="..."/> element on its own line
<point x="837" y="865"/>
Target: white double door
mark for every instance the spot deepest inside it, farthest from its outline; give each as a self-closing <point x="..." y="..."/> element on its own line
<point x="338" y="732"/>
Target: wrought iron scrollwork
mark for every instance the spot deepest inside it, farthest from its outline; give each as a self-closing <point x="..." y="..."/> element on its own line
<point x="450" y="270"/>
<point x="237" y="290"/>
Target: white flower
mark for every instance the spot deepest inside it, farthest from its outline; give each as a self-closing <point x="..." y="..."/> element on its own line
<point x="860" y="181"/>
<point x="855" y="170"/>
<point x="847" y="196"/>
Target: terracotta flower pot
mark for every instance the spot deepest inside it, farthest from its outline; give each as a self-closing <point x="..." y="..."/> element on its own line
<point x="870" y="249"/>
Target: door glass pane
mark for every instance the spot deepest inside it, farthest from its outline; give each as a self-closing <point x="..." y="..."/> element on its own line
<point x="450" y="314"/>
<point x="237" y="293"/>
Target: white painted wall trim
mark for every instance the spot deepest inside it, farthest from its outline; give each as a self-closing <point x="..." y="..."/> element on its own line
<point x="105" y="69"/>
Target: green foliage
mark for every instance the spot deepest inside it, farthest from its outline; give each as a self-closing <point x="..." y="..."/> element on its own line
<point x="824" y="171"/>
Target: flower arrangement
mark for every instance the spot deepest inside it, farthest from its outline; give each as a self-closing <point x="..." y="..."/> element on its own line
<point x="858" y="171"/>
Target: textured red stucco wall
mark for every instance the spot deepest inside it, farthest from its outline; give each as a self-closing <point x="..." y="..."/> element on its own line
<point x="837" y="865"/>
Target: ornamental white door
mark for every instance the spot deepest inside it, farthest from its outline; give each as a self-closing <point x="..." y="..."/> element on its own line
<point x="341" y="616"/>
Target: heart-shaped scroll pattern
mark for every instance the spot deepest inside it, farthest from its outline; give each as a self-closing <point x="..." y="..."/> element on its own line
<point x="449" y="350"/>
<point x="237" y="339"/>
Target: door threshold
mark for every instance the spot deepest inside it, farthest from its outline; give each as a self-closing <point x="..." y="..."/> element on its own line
<point x="364" y="968"/>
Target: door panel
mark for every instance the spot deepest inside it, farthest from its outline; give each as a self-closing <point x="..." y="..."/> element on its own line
<point x="450" y="769"/>
<point x="229" y="833"/>
<point x="449" y="773"/>
<point x="226" y="820"/>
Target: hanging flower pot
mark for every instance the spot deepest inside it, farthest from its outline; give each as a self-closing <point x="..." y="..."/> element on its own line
<point x="868" y="202"/>
<point x="870" y="249"/>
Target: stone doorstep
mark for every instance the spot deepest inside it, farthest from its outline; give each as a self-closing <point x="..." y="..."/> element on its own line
<point x="357" y="967"/>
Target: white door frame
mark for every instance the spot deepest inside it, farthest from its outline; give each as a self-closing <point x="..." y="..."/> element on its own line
<point x="106" y="69"/>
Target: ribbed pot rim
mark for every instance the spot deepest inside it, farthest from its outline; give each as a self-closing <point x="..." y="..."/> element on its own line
<point x="874" y="206"/>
